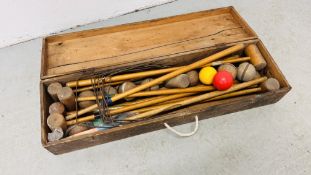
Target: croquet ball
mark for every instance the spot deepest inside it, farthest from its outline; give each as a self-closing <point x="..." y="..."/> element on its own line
<point x="271" y="84"/>
<point x="206" y="75"/>
<point x="223" y="80"/>
<point x="246" y="72"/>
<point x="229" y="68"/>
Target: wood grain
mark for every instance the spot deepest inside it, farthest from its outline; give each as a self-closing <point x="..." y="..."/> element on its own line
<point x="174" y="54"/>
<point x="153" y="39"/>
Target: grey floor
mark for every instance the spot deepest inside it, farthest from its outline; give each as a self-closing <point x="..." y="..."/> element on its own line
<point x="274" y="139"/>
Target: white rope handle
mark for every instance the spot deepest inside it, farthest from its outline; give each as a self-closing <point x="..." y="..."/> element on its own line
<point x="184" y="134"/>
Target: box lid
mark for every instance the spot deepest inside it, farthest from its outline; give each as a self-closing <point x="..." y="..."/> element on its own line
<point x="143" y="41"/>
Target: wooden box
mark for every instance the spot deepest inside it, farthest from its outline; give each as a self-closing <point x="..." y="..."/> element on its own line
<point x="177" y="40"/>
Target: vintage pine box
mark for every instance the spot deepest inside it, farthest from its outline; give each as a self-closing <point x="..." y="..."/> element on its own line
<point x="177" y="40"/>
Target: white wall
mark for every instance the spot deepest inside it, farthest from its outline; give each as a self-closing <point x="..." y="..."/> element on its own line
<point x="22" y="20"/>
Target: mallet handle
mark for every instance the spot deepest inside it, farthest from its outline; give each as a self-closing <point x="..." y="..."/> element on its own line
<point x="123" y="77"/>
<point x="170" y="75"/>
<point x="120" y="78"/>
<point x="232" y="94"/>
<point x="179" y="71"/>
<point x="148" y="103"/>
<point x="197" y="99"/>
<point x="229" y="95"/>
<point x="158" y="92"/>
<point x="80" y="120"/>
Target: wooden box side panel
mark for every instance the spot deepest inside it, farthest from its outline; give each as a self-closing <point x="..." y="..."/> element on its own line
<point x="182" y="116"/>
<point x="43" y="59"/>
<point x="239" y="19"/>
<point x="272" y="67"/>
<point x="179" y="59"/>
<point x="135" y="25"/>
<point x="45" y="101"/>
<point x="148" y="40"/>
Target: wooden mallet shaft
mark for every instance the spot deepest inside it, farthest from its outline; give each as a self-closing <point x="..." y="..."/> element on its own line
<point x="232" y="94"/>
<point x="80" y="120"/>
<point x="122" y="77"/>
<point x="96" y="110"/>
<point x="138" y="75"/>
<point x="170" y="75"/>
<point x="158" y="92"/>
<point x="237" y="60"/>
<point x="82" y="111"/>
<point x="139" y="105"/>
<point x="122" y="104"/>
<point x="232" y="57"/>
<point x="137" y="101"/>
<point x="235" y="94"/>
<point x="225" y="96"/>
<point x="97" y="86"/>
<point x="147" y="103"/>
<point x="179" y="71"/>
<point x="198" y="98"/>
<point x="229" y="95"/>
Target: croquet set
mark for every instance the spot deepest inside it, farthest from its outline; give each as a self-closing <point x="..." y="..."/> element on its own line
<point x="111" y="83"/>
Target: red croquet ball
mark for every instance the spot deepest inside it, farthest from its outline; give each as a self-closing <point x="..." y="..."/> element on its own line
<point x="223" y="80"/>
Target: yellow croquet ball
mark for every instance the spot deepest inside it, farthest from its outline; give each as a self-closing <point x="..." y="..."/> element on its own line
<point x="207" y="74"/>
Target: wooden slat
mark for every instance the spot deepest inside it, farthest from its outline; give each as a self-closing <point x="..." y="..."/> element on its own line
<point x="43" y="59"/>
<point x="135" y="41"/>
<point x="44" y="103"/>
<point x="154" y="40"/>
<point x="135" y="25"/>
<point x="154" y="54"/>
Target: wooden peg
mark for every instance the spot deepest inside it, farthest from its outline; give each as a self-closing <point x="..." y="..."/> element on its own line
<point x="85" y="104"/>
<point x="56" y="134"/>
<point x="180" y="81"/>
<point x="53" y="88"/>
<point x="193" y="77"/>
<point x="67" y="97"/>
<point x="256" y="57"/>
<point x="56" y="120"/>
<point x="57" y="107"/>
